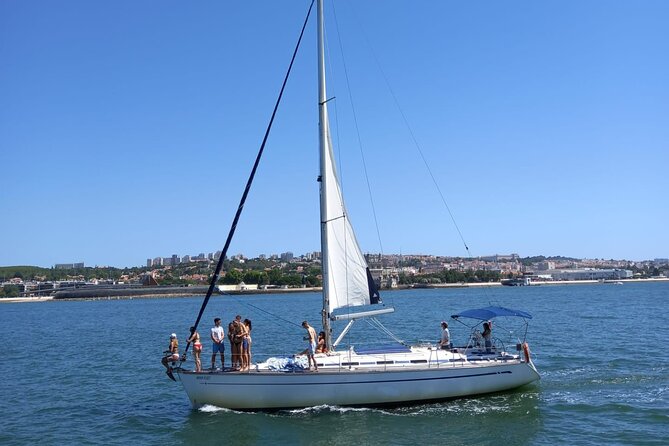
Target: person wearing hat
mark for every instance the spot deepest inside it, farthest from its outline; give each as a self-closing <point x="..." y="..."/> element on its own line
<point x="171" y="355"/>
<point x="445" y="342"/>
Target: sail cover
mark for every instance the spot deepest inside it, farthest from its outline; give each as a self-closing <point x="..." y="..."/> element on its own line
<point x="349" y="282"/>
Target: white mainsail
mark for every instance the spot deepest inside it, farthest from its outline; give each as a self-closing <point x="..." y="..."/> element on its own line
<point x="346" y="271"/>
<point x="345" y="274"/>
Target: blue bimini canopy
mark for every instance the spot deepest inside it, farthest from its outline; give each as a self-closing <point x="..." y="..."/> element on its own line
<point x="487" y="313"/>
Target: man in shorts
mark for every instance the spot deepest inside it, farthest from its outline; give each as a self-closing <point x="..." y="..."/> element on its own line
<point x="311" y="349"/>
<point x="217" y="337"/>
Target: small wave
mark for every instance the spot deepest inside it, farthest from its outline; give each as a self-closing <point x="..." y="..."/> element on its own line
<point x="563" y="398"/>
<point x="568" y="372"/>
<point x="624" y="379"/>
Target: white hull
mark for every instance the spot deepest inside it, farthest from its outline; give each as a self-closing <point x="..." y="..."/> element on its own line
<point x="355" y="387"/>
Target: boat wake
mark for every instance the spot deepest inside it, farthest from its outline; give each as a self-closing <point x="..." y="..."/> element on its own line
<point x="473" y="407"/>
<point x="210" y="408"/>
<point x="499" y="404"/>
<point x="326" y="408"/>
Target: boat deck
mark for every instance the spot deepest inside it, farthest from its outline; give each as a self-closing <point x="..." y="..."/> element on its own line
<point x="376" y="360"/>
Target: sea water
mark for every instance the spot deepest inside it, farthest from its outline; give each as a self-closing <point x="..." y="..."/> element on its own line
<point x="89" y="372"/>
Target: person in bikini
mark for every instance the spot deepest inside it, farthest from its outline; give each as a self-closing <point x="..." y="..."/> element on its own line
<point x="237" y="338"/>
<point x="231" y="339"/>
<point x="171" y="355"/>
<point x="197" y="348"/>
<point x="320" y="345"/>
<point x="246" y="344"/>
<point x="243" y="346"/>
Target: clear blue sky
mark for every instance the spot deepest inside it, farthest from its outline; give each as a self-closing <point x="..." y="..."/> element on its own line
<point x="128" y="128"/>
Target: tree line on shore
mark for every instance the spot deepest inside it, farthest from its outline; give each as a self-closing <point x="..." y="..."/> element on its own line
<point x="252" y="272"/>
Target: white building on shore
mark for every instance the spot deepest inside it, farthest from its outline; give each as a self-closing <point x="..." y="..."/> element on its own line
<point x="589" y="274"/>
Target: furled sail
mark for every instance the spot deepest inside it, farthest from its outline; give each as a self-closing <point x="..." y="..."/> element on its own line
<point x="349" y="282"/>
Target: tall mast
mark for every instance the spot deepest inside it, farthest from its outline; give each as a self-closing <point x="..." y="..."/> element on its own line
<point x="323" y="129"/>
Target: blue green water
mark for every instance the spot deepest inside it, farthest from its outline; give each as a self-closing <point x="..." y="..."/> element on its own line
<point x="88" y="372"/>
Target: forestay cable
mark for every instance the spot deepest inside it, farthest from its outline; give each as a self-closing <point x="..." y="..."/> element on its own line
<point x="233" y="227"/>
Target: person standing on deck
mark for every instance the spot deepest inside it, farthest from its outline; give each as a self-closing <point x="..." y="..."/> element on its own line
<point x="217" y="337"/>
<point x="487" y="336"/>
<point x="246" y="343"/>
<point x="231" y="339"/>
<point x="237" y="338"/>
<point x="311" y="349"/>
<point x="445" y="342"/>
<point x="197" y="348"/>
<point x="320" y="345"/>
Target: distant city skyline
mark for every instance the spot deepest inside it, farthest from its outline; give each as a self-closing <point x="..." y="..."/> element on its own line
<point x="544" y="125"/>
<point x="213" y="256"/>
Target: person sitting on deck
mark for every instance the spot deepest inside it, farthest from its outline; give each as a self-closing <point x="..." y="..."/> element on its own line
<point x="171" y="355"/>
<point x="320" y="345"/>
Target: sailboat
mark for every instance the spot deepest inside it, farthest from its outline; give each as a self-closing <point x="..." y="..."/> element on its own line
<point x="394" y="375"/>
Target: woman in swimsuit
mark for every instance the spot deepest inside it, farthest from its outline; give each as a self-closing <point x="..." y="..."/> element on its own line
<point x="231" y="338"/>
<point x="246" y="345"/>
<point x="320" y="346"/>
<point x="197" y="348"/>
<point x="171" y="354"/>
<point x="237" y="337"/>
<point x="241" y="343"/>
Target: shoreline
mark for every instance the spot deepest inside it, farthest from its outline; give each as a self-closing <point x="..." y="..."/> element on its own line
<point x="545" y="283"/>
<point x="317" y="289"/>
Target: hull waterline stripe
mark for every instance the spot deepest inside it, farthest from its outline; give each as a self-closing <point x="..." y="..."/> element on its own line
<point x="320" y="383"/>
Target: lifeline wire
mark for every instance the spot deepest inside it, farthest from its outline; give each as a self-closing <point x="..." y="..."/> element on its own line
<point x="267" y="312"/>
